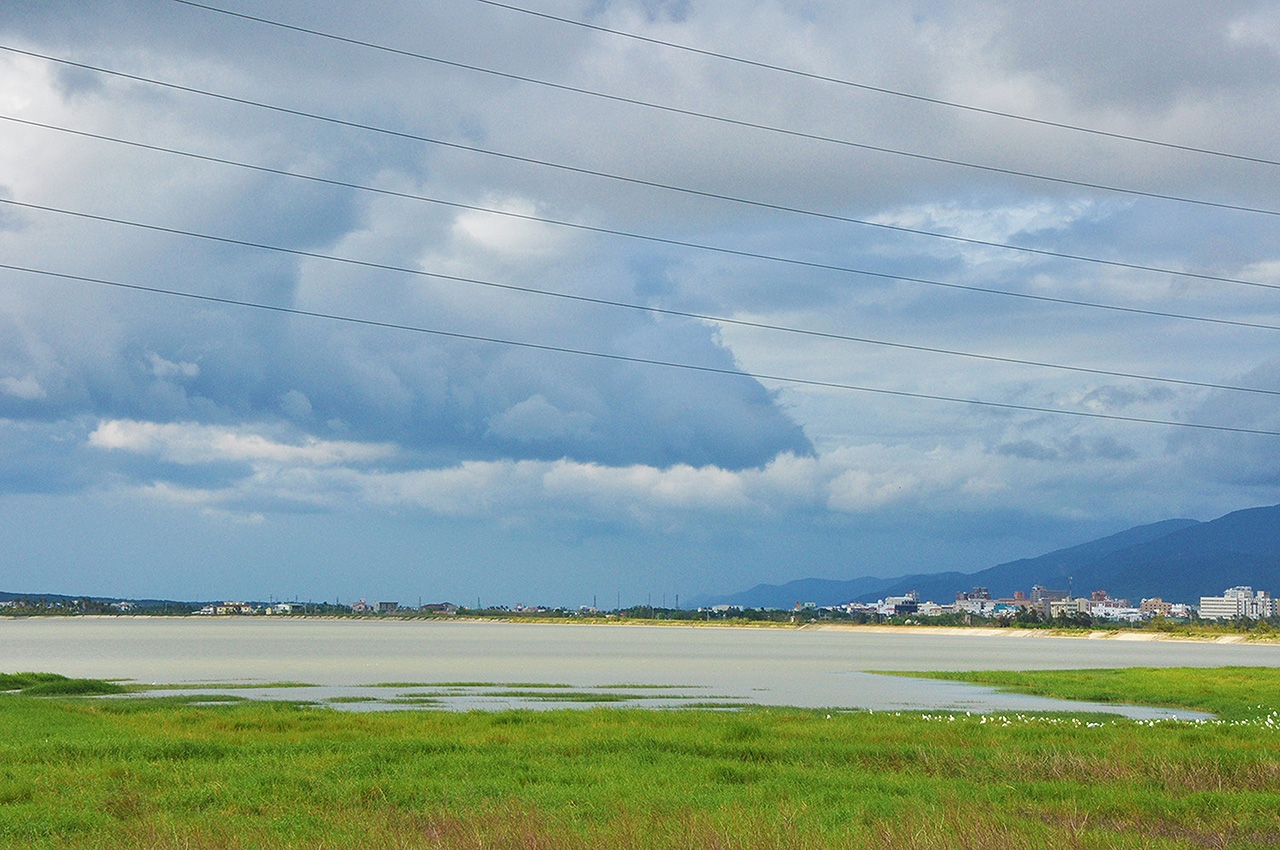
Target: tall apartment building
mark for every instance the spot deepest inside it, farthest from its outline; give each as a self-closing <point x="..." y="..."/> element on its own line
<point x="1238" y="602"/>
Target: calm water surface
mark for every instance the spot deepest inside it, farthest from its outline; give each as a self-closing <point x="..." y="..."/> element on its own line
<point x="809" y="667"/>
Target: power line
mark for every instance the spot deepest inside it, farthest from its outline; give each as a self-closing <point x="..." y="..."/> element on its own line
<point x="636" y="181"/>
<point x="951" y="104"/>
<point x="631" y="101"/>
<point x="647" y="361"/>
<point x="679" y="243"/>
<point x="605" y="302"/>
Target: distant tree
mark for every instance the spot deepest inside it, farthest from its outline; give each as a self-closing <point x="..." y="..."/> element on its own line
<point x="1028" y="617"/>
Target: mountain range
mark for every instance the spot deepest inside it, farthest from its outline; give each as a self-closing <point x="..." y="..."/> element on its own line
<point x="1178" y="560"/>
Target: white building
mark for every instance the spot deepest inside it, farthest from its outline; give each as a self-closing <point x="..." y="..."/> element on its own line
<point x="1067" y="607"/>
<point x="892" y="605"/>
<point x="1121" y="613"/>
<point x="982" y="607"/>
<point x="1238" y="602"/>
<point x="1104" y="607"/>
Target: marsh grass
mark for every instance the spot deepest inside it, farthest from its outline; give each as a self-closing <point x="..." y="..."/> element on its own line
<point x="203" y="699"/>
<point x="1231" y="693"/>
<point x="52" y="684"/>
<point x="158" y="773"/>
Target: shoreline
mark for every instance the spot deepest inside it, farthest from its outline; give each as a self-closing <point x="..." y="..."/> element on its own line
<point x="1092" y="634"/>
<point x="1119" y="635"/>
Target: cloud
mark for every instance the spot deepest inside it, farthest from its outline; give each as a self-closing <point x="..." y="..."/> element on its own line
<point x="27" y="388"/>
<point x="207" y="501"/>
<point x="162" y="368"/>
<point x="345" y="475"/>
<point x="130" y="356"/>
<point x="536" y="419"/>
<point x="1258" y="27"/>
<point x="990" y="222"/>
<point x="858" y="490"/>
<point x="191" y="443"/>
<point x="1137" y="55"/>
<point x="631" y="494"/>
<point x="1247" y="461"/>
<point x="1075" y="449"/>
<point x="508" y="235"/>
<point x="295" y="405"/>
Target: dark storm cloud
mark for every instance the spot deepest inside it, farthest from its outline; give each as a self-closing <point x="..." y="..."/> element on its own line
<point x="1240" y="460"/>
<point x="439" y="398"/>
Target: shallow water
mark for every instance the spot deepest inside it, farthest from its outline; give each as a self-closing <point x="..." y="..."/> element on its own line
<point x="806" y="667"/>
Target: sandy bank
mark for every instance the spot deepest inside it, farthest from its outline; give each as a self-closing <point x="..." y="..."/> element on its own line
<point x="1117" y="635"/>
<point x="983" y="631"/>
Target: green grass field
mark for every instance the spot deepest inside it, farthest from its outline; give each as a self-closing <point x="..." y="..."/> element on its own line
<point x="89" y="772"/>
<point x="1231" y="693"/>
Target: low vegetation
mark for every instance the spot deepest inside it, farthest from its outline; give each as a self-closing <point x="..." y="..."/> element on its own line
<point x="163" y="773"/>
<point x="1231" y="693"/>
<point x="51" y="684"/>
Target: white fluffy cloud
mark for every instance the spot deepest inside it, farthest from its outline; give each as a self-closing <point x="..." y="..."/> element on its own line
<point x="339" y="473"/>
<point x="189" y="443"/>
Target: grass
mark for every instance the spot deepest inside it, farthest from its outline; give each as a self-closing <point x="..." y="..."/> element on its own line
<point x="51" y="684"/>
<point x="1231" y="693"/>
<point x="159" y="773"/>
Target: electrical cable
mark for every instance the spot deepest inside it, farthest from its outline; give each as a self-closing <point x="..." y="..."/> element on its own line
<point x="643" y="182"/>
<point x="679" y="243"/>
<point x="647" y="361"/>
<point x="605" y="302"/>
<point x="1012" y="172"/>
<point x="1061" y="125"/>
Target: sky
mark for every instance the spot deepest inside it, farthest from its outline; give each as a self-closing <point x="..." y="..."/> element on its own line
<point x="576" y="302"/>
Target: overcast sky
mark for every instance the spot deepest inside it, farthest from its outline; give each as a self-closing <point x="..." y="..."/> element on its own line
<point x="155" y="445"/>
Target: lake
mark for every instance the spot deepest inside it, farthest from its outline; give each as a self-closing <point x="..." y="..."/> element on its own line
<point x="387" y="663"/>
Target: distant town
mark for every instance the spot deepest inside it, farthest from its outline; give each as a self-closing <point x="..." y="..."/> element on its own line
<point x="1040" y="606"/>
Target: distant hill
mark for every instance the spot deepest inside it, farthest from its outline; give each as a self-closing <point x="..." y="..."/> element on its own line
<point x="820" y="590"/>
<point x="54" y="598"/>
<point x="1179" y="560"/>
<point x="1055" y="570"/>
